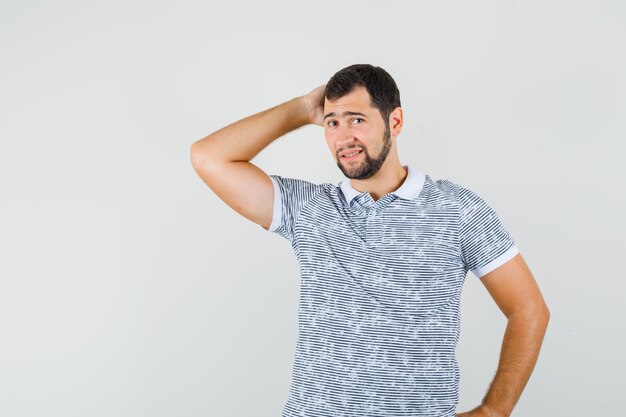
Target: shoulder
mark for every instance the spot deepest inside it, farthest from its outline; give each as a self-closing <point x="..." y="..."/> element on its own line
<point x="440" y="192"/>
<point x="299" y="189"/>
<point x="452" y="190"/>
<point x="449" y="194"/>
<point x="443" y="186"/>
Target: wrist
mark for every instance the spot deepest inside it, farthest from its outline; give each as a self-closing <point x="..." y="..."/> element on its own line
<point x="305" y="109"/>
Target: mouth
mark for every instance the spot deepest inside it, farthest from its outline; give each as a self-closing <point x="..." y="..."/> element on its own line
<point x="352" y="155"/>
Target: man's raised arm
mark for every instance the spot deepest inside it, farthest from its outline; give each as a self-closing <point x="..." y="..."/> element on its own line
<point x="222" y="159"/>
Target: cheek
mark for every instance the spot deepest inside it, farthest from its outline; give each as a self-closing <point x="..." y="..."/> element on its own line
<point x="329" y="143"/>
<point x="330" y="139"/>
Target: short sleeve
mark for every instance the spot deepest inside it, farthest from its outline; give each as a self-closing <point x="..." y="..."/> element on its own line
<point x="290" y="196"/>
<point x="485" y="242"/>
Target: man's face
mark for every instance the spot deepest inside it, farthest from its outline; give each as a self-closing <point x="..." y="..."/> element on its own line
<point x="352" y="124"/>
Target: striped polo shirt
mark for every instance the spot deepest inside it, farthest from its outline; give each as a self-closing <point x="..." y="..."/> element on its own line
<point x="380" y="291"/>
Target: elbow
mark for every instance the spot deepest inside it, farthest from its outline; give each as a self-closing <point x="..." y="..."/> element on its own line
<point x="194" y="154"/>
<point x="546" y="313"/>
<point x="204" y="161"/>
<point x="198" y="154"/>
<point x="541" y="312"/>
<point x="538" y="313"/>
<point x="541" y="315"/>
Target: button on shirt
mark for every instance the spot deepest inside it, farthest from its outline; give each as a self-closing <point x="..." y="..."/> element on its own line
<point x="380" y="292"/>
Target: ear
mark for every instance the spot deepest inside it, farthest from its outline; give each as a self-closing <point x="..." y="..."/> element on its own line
<point x="396" y="118"/>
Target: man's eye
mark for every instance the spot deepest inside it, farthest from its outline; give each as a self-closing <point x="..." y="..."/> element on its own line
<point x="358" y="118"/>
<point x="331" y="123"/>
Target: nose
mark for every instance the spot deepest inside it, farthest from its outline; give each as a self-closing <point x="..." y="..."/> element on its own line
<point x="344" y="136"/>
<point x="347" y="142"/>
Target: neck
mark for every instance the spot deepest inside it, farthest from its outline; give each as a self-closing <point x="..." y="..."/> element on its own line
<point x="389" y="178"/>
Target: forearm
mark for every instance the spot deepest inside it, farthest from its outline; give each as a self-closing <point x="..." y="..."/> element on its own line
<point x="520" y="349"/>
<point x="244" y="139"/>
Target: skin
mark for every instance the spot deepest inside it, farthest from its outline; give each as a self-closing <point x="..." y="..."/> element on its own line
<point x="222" y="160"/>
<point x="365" y="165"/>
<point x="377" y="169"/>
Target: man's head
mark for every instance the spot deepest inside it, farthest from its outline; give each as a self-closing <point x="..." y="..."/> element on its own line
<point x="359" y="102"/>
<point x="380" y="86"/>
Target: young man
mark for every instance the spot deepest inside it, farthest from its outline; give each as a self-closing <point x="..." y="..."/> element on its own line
<point x="383" y="258"/>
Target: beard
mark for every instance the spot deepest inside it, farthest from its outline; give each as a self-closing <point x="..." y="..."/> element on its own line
<point x="369" y="166"/>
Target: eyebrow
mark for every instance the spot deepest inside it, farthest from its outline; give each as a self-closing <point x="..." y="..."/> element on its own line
<point x="344" y="114"/>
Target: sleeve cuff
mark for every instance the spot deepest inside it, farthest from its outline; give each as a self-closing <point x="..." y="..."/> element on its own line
<point x="500" y="260"/>
<point x="278" y="207"/>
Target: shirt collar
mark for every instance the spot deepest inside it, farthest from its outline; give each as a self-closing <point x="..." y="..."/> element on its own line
<point x="409" y="189"/>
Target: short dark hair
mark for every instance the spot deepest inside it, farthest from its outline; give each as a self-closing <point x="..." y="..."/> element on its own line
<point x="379" y="84"/>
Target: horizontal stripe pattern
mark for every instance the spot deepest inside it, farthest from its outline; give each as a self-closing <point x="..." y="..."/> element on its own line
<point x="380" y="292"/>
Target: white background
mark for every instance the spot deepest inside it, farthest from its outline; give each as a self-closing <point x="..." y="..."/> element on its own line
<point x="127" y="288"/>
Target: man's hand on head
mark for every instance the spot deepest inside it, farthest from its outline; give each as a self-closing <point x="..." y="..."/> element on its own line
<point x="314" y="103"/>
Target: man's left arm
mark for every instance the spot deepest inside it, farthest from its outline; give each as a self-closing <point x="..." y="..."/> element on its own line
<point x="515" y="291"/>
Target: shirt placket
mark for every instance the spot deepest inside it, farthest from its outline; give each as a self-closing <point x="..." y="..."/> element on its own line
<point x="371" y="237"/>
<point x="373" y="217"/>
